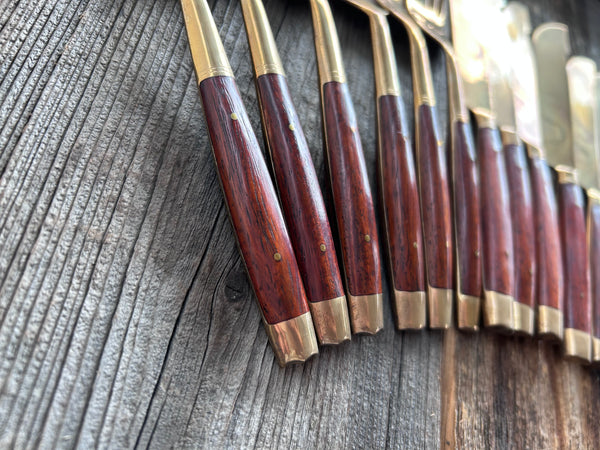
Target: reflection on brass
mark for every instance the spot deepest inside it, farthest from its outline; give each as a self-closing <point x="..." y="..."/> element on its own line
<point x="441" y="302"/>
<point x="549" y="323"/>
<point x="262" y="44"/>
<point x="593" y="195"/>
<point x="329" y="55"/>
<point x="498" y="311"/>
<point x="366" y="313"/>
<point x="578" y="345"/>
<point x="566" y="175"/>
<point x="207" y="50"/>
<point x="524" y="317"/>
<point x="468" y="312"/>
<point x="484" y="118"/>
<point x="293" y="340"/>
<point x="509" y="136"/>
<point x="596" y="350"/>
<point x="331" y="320"/>
<point x="410" y="309"/>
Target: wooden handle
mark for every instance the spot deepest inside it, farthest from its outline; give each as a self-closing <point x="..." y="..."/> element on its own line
<point x="435" y="200"/>
<point x="351" y="192"/>
<point x="593" y="229"/>
<point x="252" y="203"/>
<point x="521" y="209"/>
<point x="400" y="193"/>
<point x="578" y="307"/>
<point x="299" y="191"/>
<point x="466" y="210"/>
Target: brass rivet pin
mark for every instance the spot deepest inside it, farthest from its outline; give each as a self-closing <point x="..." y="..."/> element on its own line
<point x="291" y="126"/>
<point x="277" y="257"/>
<point x="234" y="116"/>
<point x="322" y="247"/>
<point x="367" y="238"/>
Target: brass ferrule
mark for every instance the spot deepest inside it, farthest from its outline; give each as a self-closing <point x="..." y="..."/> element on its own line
<point x="293" y="340"/>
<point x="331" y="320"/>
<point x="578" y="345"/>
<point x="509" y="136"/>
<point x="386" y="74"/>
<point x="410" y="309"/>
<point x="457" y="108"/>
<point x="524" y="319"/>
<point x="593" y="195"/>
<point x="468" y="310"/>
<point x="498" y="311"/>
<point x="421" y="68"/>
<point x="206" y="47"/>
<point x="327" y="45"/>
<point x="534" y="152"/>
<point x="441" y="303"/>
<point x="484" y="118"/>
<point x="550" y="323"/>
<point x="596" y="350"/>
<point x="366" y="313"/>
<point x="260" y="37"/>
<point x="566" y="175"/>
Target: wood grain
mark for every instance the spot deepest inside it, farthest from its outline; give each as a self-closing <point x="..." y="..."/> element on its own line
<point x="126" y="316"/>
<point x="593" y="237"/>
<point x="299" y="190"/>
<point x="400" y="195"/>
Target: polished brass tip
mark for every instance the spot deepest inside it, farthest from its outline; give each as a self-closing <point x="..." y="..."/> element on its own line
<point x="331" y="320"/>
<point x="468" y="311"/>
<point x="596" y="350"/>
<point x="411" y="310"/>
<point x="549" y="323"/>
<point x="498" y="311"/>
<point x="366" y="313"/>
<point x="293" y="340"/>
<point x="440" y="302"/>
<point x="578" y="345"/>
<point x="524" y="319"/>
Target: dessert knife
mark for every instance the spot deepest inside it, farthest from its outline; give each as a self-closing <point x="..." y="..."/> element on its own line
<point x="249" y="194"/>
<point x="297" y="183"/>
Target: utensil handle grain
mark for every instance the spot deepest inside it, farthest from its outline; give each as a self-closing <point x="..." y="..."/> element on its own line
<point x="593" y="230"/>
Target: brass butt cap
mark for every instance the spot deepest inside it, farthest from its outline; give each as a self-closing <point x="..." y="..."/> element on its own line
<point x="596" y="350"/>
<point x="524" y="319"/>
<point x="578" y="345"/>
<point x="549" y="323"/>
<point x="440" y="302"/>
<point x="331" y="320"/>
<point x="410" y="309"/>
<point x="468" y="309"/>
<point x="366" y="313"/>
<point x="498" y="311"/>
<point x="293" y="340"/>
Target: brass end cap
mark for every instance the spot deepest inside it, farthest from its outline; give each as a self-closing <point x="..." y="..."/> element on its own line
<point x="441" y="302"/>
<point x="550" y="323"/>
<point x="596" y="350"/>
<point x="411" y="310"/>
<point x="468" y="311"/>
<point x="498" y="311"/>
<point x="293" y="340"/>
<point x="366" y="313"/>
<point x="331" y="320"/>
<point x="524" y="317"/>
<point x="578" y="345"/>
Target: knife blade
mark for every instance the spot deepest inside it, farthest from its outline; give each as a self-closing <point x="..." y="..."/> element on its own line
<point x="249" y="194"/>
<point x="469" y="26"/>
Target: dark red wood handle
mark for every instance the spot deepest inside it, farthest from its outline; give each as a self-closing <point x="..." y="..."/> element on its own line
<point x="436" y="209"/>
<point x="593" y="229"/>
<point x="466" y="209"/>
<point x="578" y="307"/>
<point x="549" y="269"/>
<point x="252" y="203"/>
<point x="299" y="191"/>
<point x="351" y="192"/>
<point x="521" y="209"/>
<point x="498" y="256"/>
<point x="400" y="193"/>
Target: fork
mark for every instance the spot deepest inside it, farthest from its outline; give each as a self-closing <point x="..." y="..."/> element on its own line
<point x="434" y="185"/>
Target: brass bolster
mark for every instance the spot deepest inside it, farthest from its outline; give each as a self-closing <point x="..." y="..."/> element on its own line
<point x="498" y="310"/>
<point x="331" y="320"/>
<point x="410" y="309"/>
<point x="366" y="313"/>
<point x="327" y="45"/>
<point x="484" y="118"/>
<point x="441" y="302"/>
<point x="468" y="312"/>
<point x="293" y="340"/>
<point x="578" y="345"/>
<point x="509" y="136"/>
<point x="550" y="323"/>
<point x="534" y="152"/>
<point x="566" y="175"/>
<point x="384" y="59"/>
<point x="524" y="317"/>
<point x="593" y="195"/>
<point x="596" y="350"/>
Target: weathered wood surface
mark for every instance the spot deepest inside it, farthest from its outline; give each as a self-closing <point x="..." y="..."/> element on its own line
<point x="126" y="317"/>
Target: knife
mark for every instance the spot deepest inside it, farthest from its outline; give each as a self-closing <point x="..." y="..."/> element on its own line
<point x="297" y="183"/>
<point x="468" y="28"/>
<point x="593" y="226"/>
<point x="397" y="178"/>
<point x="434" y="184"/>
<point x="249" y="194"/>
<point x="349" y="181"/>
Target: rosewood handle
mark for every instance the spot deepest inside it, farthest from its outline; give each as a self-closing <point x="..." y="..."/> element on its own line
<point x="549" y="284"/>
<point x="250" y="197"/>
<point x="593" y="230"/>
<point x="351" y="192"/>
<point x="578" y="307"/>
<point x="299" y="191"/>
<point x="521" y="209"/>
